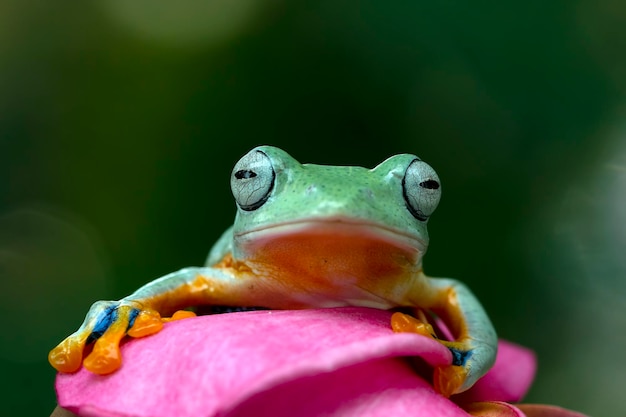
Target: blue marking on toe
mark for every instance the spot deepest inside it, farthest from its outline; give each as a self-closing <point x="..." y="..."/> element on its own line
<point x="103" y="322"/>
<point x="131" y="318"/>
<point x="459" y="357"/>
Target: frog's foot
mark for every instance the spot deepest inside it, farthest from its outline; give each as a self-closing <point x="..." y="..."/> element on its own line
<point x="106" y="357"/>
<point x="106" y="324"/>
<point x="449" y="379"/>
<point x="454" y="378"/>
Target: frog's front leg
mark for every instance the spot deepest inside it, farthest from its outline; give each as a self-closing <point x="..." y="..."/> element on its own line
<point x="139" y="314"/>
<point x="475" y="341"/>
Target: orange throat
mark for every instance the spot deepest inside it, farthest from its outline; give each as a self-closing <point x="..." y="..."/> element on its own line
<point x="330" y="253"/>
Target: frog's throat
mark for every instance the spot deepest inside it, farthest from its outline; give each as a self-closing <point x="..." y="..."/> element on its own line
<point x="336" y="233"/>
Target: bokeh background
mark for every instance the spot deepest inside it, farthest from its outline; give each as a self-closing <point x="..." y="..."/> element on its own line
<point x="121" y="120"/>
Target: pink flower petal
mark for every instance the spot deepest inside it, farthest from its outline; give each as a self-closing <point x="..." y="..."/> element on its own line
<point x="379" y="388"/>
<point x="509" y="379"/>
<point x="539" y="410"/>
<point x="205" y="366"/>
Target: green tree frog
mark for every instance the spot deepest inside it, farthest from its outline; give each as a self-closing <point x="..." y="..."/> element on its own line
<point x="309" y="236"/>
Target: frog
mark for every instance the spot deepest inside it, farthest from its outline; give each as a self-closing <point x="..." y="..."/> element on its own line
<point x="310" y="236"/>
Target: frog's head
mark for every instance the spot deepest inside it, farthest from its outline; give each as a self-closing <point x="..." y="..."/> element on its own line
<point x="289" y="211"/>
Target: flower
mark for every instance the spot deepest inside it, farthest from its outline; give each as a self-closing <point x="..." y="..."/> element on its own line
<point x="324" y="362"/>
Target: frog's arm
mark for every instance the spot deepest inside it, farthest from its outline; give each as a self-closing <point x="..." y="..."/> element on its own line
<point x="475" y="341"/>
<point x="139" y="314"/>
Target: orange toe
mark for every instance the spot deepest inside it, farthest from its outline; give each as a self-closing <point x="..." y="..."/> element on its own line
<point x="106" y="356"/>
<point x="67" y="356"/>
<point x="147" y="322"/>
<point x="491" y="409"/>
<point x="104" y="361"/>
<point x="404" y="323"/>
<point x="449" y="379"/>
<point x="179" y="315"/>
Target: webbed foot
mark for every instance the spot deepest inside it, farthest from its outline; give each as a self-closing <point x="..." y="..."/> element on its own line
<point x="106" y="323"/>
<point x="447" y="380"/>
<point x="454" y="378"/>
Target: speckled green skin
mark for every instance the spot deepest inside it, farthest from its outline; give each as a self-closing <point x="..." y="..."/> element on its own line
<point x="308" y="191"/>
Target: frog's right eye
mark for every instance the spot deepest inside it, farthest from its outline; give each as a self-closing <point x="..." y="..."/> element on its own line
<point x="252" y="180"/>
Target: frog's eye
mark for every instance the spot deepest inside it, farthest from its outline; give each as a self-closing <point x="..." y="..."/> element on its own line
<point x="421" y="189"/>
<point x="252" y="180"/>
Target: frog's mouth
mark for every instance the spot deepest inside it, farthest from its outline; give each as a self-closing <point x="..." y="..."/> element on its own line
<point x="333" y="248"/>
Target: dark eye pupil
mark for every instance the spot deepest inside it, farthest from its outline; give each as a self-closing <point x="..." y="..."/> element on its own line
<point x="245" y="174"/>
<point x="429" y="184"/>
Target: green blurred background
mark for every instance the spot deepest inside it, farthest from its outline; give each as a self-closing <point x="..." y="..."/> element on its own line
<point x="121" y="120"/>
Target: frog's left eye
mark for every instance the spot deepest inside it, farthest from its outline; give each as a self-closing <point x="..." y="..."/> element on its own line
<point x="252" y="180"/>
<point x="421" y="189"/>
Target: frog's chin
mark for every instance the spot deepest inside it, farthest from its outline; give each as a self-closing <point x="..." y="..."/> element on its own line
<point x="333" y="245"/>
